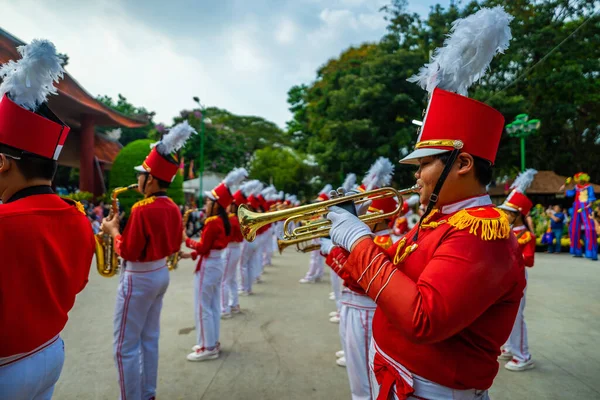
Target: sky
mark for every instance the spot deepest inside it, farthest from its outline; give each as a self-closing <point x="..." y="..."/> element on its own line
<point x="241" y="55"/>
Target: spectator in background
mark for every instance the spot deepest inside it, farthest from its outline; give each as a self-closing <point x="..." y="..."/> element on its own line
<point x="557" y="224"/>
<point x="95" y="224"/>
<point x="99" y="210"/>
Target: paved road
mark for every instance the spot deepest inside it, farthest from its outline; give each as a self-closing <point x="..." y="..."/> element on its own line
<point x="283" y="346"/>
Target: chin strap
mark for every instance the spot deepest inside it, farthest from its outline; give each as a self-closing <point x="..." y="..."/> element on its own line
<point x="433" y="198"/>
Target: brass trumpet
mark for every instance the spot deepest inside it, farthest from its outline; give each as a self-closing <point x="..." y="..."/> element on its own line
<point x="107" y="260"/>
<point x="303" y="246"/>
<point x="251" y="221"/>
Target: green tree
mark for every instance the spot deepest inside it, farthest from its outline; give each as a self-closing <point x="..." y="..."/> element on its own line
<point x="123" y="106"/>
<point x="122" y="174"/>
<point x="229" y="140"/>
<point x="287" y="169"/>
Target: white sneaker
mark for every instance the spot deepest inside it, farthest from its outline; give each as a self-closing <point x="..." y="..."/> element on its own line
<point x="339" y="354"/>
<point x="331" y="294"/>
<point x="505" y="355"/>
<point x="516" y="365"/>
<point x="341" y="362"/>
<point x="333" y="314"/>
<point x="334" y="320"/>
<point x="304" y="280"/>
<point x="243" y="293"/>
<point x="226" y="316"/>
<point x="203" y="355"/>
<point x="236" y="309"/>
<point x="258" y="280"/>
<point x="196" y="348"/>
<point x="332" y="298"/>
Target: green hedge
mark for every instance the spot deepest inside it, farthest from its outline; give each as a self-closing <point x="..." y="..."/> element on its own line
<point x="123" y="174"/>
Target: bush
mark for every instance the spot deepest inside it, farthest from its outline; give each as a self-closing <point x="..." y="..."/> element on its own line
<point x="80" y="196"/>
<point x="123" y="174"/>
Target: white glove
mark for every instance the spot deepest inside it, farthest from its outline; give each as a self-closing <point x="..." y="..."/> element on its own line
<point x="326" y="246"/>
<point x="346" y="229"/>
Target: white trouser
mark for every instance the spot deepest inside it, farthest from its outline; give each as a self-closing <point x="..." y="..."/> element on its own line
<point x="268" y="246"/>
<point x="316" y="266"/>
<point x="247" y="264"/>
<point x="229" y="285"/>
<point x="336" y="286"/>
<point x="517" y="342"/>
<point x="276" y="235"/>
<point x="34" y="376"/>
<point x="257" y="259"/>
<point x="356" y="321"/>
<point x="207" y="299"/>
<point x="423" y="388"/>
<point x="136" y="324"/>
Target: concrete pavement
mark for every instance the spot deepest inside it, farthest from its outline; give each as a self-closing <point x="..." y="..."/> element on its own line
<point x="282" y="346"/>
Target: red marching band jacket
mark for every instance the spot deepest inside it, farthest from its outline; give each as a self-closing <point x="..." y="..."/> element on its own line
<point x="445" y="303"/>
<point x="213" y="237"/>
<point x="236" y="231"/>
<point x="526" y="242"/>
<point x="47" y="248"/>
<point x="153" y="231"/>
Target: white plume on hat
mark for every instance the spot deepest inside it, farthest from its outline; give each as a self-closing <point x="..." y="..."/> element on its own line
<point x="251" y="187"/>
<point x="472" y="43"/>
<point x="269" y="190"/>
<point x="380" y="174"/>
<point x="235" y="177"/>
<point x="349" y="182"/>
<point x="524" y="180"/>
<point x="326" y="189"/>
<point x="31" y="79"/>
<point x="413" y="200"/>
<point x="175" y="139"/>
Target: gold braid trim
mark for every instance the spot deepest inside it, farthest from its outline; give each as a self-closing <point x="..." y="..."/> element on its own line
<point x="482" y="222"/>
<point x="401" y="256"/>
<point x="144" y="202"/>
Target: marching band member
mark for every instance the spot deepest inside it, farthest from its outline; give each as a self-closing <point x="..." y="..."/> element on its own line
<point x="447" y="294"/>
<point x="264" y="234"/>
<point x="357" y="308"/>
<point x="336" y="282"/>
<point x="152" y="233"/>
<point x="41" y="274"/>
<point x="251" y="255"/>
<point x="209" y="269"/>
<point x="229" y="286"/>
<point x="317" y="262"/>
<point x="517" y="206"/>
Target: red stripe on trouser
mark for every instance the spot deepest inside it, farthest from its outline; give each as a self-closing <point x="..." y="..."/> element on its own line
<point x="122" y="335"/>
<point x="200" y="280"/>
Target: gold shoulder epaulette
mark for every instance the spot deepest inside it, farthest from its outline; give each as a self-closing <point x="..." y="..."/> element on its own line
<point x="77" y="204"/>
<point x="209" y="219"/>
<point x="488" y="223"/>
<point x="525" y="238"/>
<point x="384" y="241"/>
<point x="144" y="202"/>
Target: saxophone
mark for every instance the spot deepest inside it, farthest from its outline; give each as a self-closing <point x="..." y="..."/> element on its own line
<point x="173" y="259"/>
<point x="107" y="260"/>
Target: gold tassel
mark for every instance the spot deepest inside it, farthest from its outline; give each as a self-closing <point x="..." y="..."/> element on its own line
<point x="525" y="238"/>
<point x="487" y="227"/>
<point x="80" y="207"/>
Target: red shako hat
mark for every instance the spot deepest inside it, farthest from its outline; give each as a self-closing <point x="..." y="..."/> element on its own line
<point x="517" y="201"/>
<point x="452" y="120"/>
<point x="222" y="193"/>
<point x="26" y="121"/>
<point x="160" y="162"/>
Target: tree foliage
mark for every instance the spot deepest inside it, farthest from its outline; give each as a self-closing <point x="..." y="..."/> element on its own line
<point x="229" y="139"/>
<point x="360" y="106"/>
<point x="287" y="169"/>
<point x="123" y="106"/>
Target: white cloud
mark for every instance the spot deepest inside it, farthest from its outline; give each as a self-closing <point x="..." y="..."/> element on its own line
<point x="286" y="31"/>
